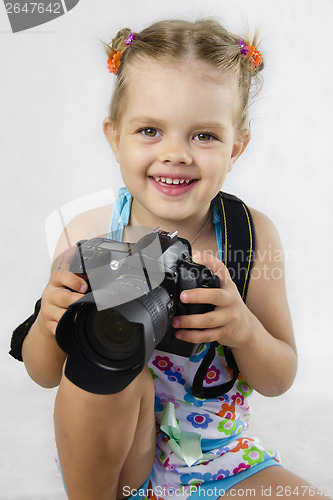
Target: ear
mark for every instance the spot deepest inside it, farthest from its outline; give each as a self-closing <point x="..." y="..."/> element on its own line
<point x="112" y="136"/>
<point x="242" y="139"/>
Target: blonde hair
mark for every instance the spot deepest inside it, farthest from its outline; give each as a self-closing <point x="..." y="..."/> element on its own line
<point x="171" y="41"/>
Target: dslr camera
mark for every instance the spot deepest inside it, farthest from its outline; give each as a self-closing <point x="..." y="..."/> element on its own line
<point x="133" y="294"/>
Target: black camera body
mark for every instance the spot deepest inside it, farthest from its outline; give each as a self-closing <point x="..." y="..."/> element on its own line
<point x="133" y="295"/>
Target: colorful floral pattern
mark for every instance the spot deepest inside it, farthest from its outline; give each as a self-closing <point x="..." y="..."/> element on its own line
<point x="222" y="418"/>
<point x="199" y="420"/>
<point x="175" y="377"/>
<point x="244" y="388"/>
<point x="189" y="398"/>
<point x="195" y="479"/>
<point x="227" y="426"/>
<point x="241" y="468"/>
<point x="237" y="399"/>
<point x="253" y="455"/>
<point x="227" y="411"/>
<point x="221" y="474"/>
<point x="163" y="363"/>
<point x="212" y="374"/>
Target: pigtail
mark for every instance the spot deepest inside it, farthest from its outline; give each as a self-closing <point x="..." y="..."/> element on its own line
<point x="249" y="47"/>
<point x="118" y="42"/>
<point x="117" y="47"/>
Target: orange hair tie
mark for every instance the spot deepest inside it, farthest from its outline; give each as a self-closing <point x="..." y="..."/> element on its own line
<point x="251" y="52"/>
<point x="113" y="62"/>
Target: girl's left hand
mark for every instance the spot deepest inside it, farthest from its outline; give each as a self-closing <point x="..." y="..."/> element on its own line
<point x="228" y="324"/>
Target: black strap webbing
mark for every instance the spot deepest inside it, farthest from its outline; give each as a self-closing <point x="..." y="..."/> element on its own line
<point x="237" y="255"/>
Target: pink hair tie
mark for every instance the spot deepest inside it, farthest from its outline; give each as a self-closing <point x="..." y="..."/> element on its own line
<point x="243" y="49"/>
<point x="130" y="39"/>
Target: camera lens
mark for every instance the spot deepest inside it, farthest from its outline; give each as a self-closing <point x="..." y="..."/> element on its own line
<point x="111" y="335"/>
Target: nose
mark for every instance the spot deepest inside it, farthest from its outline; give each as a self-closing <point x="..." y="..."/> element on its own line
<point x="175" y="151"/>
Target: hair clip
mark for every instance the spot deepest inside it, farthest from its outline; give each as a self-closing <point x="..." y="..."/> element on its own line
<point x="251" y="52"/>
<point x="114" y="61"/>
<point x="130" y="39"/>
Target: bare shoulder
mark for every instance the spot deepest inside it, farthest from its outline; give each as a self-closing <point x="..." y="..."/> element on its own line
<point x="266" y="233"/>
<point x="267" y="297"/>
<point x="91" y="223"/>
<point x="84" y="226"/>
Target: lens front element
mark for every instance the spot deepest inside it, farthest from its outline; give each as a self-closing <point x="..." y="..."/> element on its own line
<point x="111" y="335"/>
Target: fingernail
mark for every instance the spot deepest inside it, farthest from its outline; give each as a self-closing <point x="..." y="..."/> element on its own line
<point x="196" y="255"/>
<point x="175" y="322"/>
<point x="83" y="287"/>
<point x="184" y="296"/>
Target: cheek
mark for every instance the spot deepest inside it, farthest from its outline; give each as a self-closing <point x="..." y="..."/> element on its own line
<point x="218" y="164"/>
<point x="132" y="165"/>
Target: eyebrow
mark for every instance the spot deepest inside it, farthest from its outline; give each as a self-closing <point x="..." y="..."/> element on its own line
<point x="144" y="119"/>
<point x="209" y="125"/>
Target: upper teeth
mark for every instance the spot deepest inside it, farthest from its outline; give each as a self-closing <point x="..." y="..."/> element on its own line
<point x="168" y="180"/>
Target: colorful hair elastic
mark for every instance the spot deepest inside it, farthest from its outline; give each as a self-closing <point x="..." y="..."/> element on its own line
<point x="130" y="39"/>
<point x="113" y="62"/>
<point x="251" y="52"/>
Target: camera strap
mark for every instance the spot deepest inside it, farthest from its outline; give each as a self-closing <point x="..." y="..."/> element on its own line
<point x="238" y="256"/>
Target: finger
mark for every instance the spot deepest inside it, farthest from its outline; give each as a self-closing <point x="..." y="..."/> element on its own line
<point x="52" y="318"/>
<point x="63" y="298"/>
<point x="214" y="296"/>
<point x="69" y="280"/>
<point x="212" y="319"/>
<point x="56" y="313"/>
<point x="215" y="265"/>
<point x="199" y="336"/>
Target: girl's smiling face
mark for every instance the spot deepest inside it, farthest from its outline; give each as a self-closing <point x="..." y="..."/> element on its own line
<point x="176" y="140"/>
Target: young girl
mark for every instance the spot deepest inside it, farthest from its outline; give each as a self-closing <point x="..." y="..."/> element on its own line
<point x="178" y="122"/>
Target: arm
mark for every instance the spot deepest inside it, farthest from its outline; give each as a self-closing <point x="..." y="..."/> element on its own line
<point x="42" y="357"/>
<point x="268" y="359"/>
<point x="260" y="333"/>
<point x="41" y="354"/>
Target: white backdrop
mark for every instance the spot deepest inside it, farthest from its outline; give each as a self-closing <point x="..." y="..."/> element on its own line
<point x="54" y="94"/>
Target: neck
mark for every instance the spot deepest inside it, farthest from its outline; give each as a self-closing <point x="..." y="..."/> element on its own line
<point x="192" y="228"/>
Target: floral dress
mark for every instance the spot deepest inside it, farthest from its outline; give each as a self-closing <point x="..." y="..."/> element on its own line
<point x="199" y="441"/>
<point x="219" y="421"/>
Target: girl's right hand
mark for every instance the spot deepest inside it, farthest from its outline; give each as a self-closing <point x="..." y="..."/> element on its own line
<point x="63" y="288"/>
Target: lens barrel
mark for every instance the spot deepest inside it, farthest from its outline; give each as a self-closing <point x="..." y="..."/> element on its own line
<point x="108" y="347"/>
